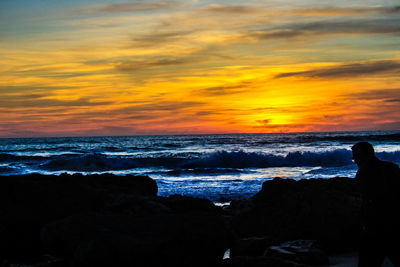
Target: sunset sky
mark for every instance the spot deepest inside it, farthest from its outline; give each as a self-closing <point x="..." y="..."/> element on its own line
<point x="83" y="68"/>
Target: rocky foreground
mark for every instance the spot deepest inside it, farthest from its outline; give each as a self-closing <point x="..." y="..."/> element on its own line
<point x="108" y="220"/>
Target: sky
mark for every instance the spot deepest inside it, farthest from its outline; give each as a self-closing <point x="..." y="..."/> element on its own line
<point x="131" y="67"/>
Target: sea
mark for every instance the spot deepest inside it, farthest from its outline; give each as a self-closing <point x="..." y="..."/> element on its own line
<point x="217" y="167"/>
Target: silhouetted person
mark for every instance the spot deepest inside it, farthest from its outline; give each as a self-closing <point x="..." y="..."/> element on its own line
<point x="380" y="189"/>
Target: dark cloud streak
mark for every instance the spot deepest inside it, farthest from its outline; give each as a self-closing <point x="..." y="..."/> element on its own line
<point x="340" y="11"/>
<point x="347" y="70"/>
<point x="318" y="28"/>
<point x="222" y="90"/>
<point x="138" y="6"/>
<point x="37" y="101"/>
<point x="155" y="63"/>
<point x="231" y="9"/>
<point x="322" y="11"/>
<point x="160" y="106"/>
<point x="386" y="95"/>
<point x="157" y="38"/>
<point x="6" y="89"/>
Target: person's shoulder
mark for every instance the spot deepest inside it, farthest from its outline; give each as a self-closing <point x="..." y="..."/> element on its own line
<point x="389" y="166"/>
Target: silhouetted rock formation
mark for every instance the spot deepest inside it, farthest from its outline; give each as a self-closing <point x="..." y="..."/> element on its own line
<point x="120" y="240"/>
<point x="326" y="210"/>
<point x="108" y="220"/>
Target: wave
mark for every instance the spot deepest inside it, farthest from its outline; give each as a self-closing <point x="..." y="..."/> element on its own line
<point x="219" y="161"/>
<point x="89" y="162"/>
<point x="389" y="156"/>
<point x="5" y="169"/>
<point x="198" y="171"/>
<point x="6" y="157"/>
<point x="241" y="159"/>
<point x="171" y="145"/>
<point x="40" y="149"/>
<point x="112" y="148"/>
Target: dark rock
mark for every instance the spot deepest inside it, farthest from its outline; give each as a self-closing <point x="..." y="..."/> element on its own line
<point x="136" y="205"/>
<point x="300" y="251"/>
<point x="48" y="261"/>
<point x="53" y="197"/>
<point x="326" y="210"/>
<point x="183" y="204"/>
<point x="27" y="202"/>
<point x="20" y="240"/>
<point x="128" y="184"/>
<point x="260" y="262"/>
<point x="119" y="240"/>
<point x="239" y="206"/>
<point x="41" y="261"/>
<point x="140" y="205"/>
<point x="108" y="220"/>
<point x="251" y="246"/>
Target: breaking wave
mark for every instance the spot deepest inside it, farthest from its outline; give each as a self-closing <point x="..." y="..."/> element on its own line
<point x="219" y="159"/>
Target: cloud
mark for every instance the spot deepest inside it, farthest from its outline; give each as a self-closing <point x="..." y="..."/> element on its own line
<point x="161" y="106"/>
<point x="391" y="10"/>
<point x="321" y="11"/>
<point x="347" y="70"/>
<point x="310" y="29"/>
<point x="231" y="9"/>
<point x="393" y="100"/>
<point x="231" y="88"/>
<point x="137" y="6"/>
<point x="7" y="89"/>
<point x="264" y="122"/>
<point x="343" y="11"/>
<point x="39" y="101"/>
<point x="157" y="110"/>
<point x="386" y="95"/>
<point x="353" y="26"/>
<point x="154" y="63"/>
<point x="143" y="117"/>
<point x="207" y="113"/>
<point x="157" y="38"/>
<point x="214" y="24"/>
<point x="222" y="90"/>
<point x="108" y="130"/>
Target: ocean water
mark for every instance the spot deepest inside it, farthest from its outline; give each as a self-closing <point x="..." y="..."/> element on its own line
<point x="216" y="167"/>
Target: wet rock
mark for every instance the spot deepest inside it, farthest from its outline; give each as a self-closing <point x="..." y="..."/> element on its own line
<point x="260" y="262"/>
<point x="251" y="246"/>
<point x="300" y="251"/>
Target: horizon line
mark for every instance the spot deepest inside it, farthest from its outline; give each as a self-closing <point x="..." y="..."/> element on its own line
<point x="199" y="134"/>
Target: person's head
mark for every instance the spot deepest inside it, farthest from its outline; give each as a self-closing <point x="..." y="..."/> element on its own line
<point x="363" y="153"/>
